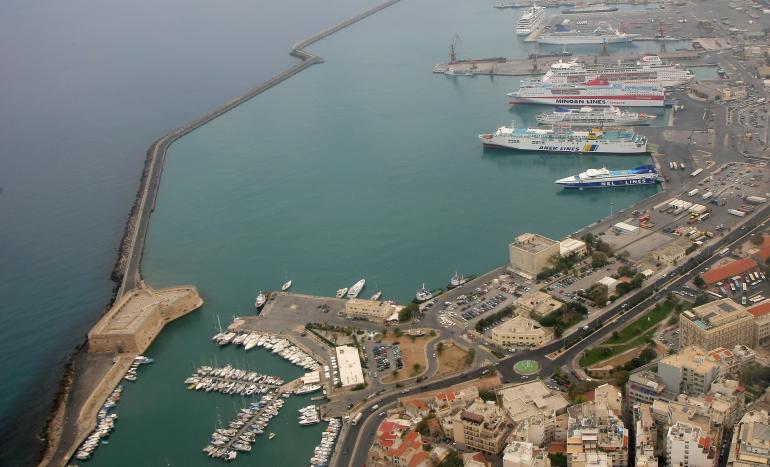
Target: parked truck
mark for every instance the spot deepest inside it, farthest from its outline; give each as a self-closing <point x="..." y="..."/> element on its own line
<point x="707" y="195"/>
<point x="736" y="212"/>
<point x="693" y="192"/>
<point x="356" y="419"/>
<point x="756" y="199"/>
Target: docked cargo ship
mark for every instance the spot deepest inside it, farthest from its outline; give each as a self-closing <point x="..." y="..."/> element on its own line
<point x="650" y="69"/>
<point x="533" y="18"/>
<point x="601" y="178"/>
<point x="590" y="117"/>
<point x="565" y="140"/>
<point x="595" y="93"/>
<point x="561" y="35"/>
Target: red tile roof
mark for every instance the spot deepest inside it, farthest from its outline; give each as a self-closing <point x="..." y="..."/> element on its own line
<point x="418" y="404"/>
<point x="728" y="270"/>
<point x="557" y="447"/>
<point x="448" y="396"/>
<point x="409" y="441"/>
<point x="705" y="442"/>
<point x="761" y="309"/>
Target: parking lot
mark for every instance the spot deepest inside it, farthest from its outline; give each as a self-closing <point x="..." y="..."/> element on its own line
<point x="380" y="359"/>
<point x="466" y="309"/>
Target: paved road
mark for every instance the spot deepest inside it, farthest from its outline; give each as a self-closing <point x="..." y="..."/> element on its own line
<point x="356" y="441"/>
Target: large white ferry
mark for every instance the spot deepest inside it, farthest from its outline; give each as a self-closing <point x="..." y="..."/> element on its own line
<point x="601" y="178"/>
<point x="590" y="117"/>
<point x="564" y="139"/>
<point x="596" y="93"/>
<point x="561" y="35"/>
<point x="532" y="19"/>
<point x="650" y="69"/>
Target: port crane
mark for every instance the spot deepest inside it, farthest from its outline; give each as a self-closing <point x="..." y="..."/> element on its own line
<point x="453" y="48"/>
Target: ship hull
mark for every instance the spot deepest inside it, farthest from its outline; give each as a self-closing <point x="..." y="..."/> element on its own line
<point x="566" y="147"/>
<point x="610" y="183"/>
<point x="594" y="123"/>
<point x="594" y="101"/>
<point x="587" y="40"/>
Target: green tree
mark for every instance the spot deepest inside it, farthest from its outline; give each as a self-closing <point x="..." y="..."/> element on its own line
<point x="598" y="293"/>
<point x="439" y="348"/>
<point x="757" y="239"/>
<point x="598" y="259"/>
<point x="469" y="357"/>
<point x="698" y="281"/>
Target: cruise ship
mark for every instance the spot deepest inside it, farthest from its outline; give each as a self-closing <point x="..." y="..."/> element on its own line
<point x="590" y="117"/>
<point x="649" y="70"/>
<point x="561" y="35"/>
<point x="601" y="178"/>
<point x="532" y="19"/>
<point x="565" y="140"/>
<point x="595" y="93"/>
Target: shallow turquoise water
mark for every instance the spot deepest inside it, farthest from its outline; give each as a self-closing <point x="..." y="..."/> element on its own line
<point x="366" y="166"/>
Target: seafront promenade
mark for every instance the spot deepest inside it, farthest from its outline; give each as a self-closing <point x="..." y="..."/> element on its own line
<point x="89" y="381"/>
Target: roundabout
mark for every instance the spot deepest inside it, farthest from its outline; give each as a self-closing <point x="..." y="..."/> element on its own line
<point x="526" y="367"/>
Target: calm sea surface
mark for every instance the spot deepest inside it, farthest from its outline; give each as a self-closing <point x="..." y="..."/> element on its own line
<point x="86" y="87"/>
<point x="365" y="166"/>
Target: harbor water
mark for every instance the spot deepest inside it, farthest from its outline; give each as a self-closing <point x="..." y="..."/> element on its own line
<point x="366" y="166"/>
<point x="86" y="87"/>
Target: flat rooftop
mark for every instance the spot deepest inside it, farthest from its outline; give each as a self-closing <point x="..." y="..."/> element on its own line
<point x="349" y="364"/>
<point x="533" y="243"/>
<point x="715" y="314"/>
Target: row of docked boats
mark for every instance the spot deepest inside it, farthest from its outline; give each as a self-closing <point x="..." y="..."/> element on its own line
<point x="233" y="381"/>
<point x="278" y="345"/>
<point x="242" y="431"/>
<point x="131" y="373"/>
<point x="309" y="416"/>
<point x="322" y="453"/>
<point x="105" y="423"/>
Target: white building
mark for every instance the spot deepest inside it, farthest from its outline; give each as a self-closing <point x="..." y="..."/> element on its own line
<point x="751" y="441"/>
<point x="688" y="446"/>
<point x="522" y="454"/>
<point x="610" y="282"/>
<point x="349" y="365"/>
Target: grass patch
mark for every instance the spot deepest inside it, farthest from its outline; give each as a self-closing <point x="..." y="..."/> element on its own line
<point x="644" y="323"/>
<point x="631" y="336"/>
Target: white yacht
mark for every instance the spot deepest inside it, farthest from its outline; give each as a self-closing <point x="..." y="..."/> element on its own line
<point x="377" y="295"/>
<point x="286" y="286"/>
<point x="261" y="300"/>
<point x="356" y="288"/>
<point x="341" y="292"/>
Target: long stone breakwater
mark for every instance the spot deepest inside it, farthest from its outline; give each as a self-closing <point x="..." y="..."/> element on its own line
<point x="126" y="272"/>
<point x="127" y="268"/>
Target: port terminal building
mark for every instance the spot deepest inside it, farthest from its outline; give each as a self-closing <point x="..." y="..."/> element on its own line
<point x="530" y="253"/>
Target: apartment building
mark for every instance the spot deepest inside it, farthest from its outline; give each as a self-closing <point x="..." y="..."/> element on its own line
<point x="483" y="426"/>
<point x="722" y="323"/>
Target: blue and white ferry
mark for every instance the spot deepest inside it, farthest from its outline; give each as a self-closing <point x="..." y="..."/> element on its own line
<point x="601" y="178"/>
